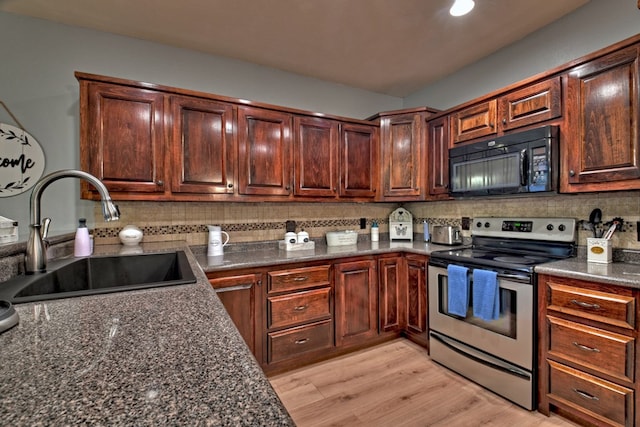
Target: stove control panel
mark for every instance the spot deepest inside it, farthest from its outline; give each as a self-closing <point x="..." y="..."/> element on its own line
<point x="550" y="229"/>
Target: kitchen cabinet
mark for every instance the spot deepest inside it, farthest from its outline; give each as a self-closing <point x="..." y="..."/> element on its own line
<point x="393" y="290"/>
<point x="402" y="155"/>
<point x="600" y="147"/>
<point x="202" y="146"/>
<point x="530" y="104"/>
<point x="123" y="135"/>
<point x="315" y="156"/>
<point x="299" y="313"/>
<point x="359" y="164"/>
<point x="264" y="152"/>
<point x="437" y="174"/>
<point x="242" y="298"/>
<point x="356" y="302"/>
<point x="588" y="350"/>
<point x="416" y="302"/>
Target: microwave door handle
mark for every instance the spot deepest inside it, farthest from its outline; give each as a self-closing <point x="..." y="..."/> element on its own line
<point x="523" y="167"/>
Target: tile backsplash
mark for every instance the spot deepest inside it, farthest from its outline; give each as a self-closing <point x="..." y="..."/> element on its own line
<point x="252" y="222"/>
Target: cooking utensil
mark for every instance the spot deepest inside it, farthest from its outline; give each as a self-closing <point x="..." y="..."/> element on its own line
<point x="595" y="218"/>
<point x="610" y="231"/>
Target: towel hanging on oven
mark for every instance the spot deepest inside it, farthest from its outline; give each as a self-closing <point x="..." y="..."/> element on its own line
<point x="485" y="294"/>
<point x="457" y="290"/>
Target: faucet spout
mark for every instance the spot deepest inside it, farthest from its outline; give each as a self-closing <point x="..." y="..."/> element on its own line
<point x="35" y="256"/>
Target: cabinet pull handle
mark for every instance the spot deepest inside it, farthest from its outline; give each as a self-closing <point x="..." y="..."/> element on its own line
<point x="585" y="394"/>
<point x="586" y="348"/>
<point x="302" y="341"/>
<point x="300" y="308"/>
<point x="585" y="304"/>
<point x="300" y="278"/>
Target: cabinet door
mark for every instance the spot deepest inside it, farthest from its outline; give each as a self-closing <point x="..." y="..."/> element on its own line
<point x="417" y="296"/>
<point x="392" y="284"/>
<point x="600" y="149"/>
<point x="474" y="122"/>
<point x="402" y="156"/>
<point x="264" y="152"/>
<point x="438" y="157"/>
<point x="202" y="146"/>
<point x="242" y="299"/>
<point x="359" y="171"/>
<point x="315" y="157"/>
<point x="532" y="104"/>
<point x="356" y="302"/>
<point x="122" y="140"/>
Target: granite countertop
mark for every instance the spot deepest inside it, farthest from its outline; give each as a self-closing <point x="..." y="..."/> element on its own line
<point x="616" y="273"/>
<point x="163" y="356"/>
<point x="239" y="256"/>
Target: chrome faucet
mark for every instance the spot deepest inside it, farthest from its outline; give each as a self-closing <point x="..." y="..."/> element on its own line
<point x="35" y="256"/>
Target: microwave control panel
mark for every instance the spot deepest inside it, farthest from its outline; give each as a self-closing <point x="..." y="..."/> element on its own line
<point x="539" y="169"/>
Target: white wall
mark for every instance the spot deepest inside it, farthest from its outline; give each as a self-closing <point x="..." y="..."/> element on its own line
<point x="597" y="24"/>
<point x="37" y="62"/>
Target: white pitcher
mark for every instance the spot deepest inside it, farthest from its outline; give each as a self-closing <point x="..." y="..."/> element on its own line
<point x="215" y="245"/>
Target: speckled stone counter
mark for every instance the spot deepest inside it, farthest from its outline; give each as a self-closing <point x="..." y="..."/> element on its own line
<point x="164" y="356"/>
<point x="246" y="256"/>
<point x="617" y="273"/>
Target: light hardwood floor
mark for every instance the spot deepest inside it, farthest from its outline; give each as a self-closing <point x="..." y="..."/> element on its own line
<point x="395" y="384"/>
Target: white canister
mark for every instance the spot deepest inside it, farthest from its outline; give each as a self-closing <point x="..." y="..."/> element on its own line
<point x="130" y="235"/>
<point x="290" y="237"/>
<point x="215" y="245"/>
<point x="303" y="237"/>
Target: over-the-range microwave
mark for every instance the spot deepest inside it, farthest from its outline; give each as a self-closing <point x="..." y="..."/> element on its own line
<point x="522" y="162"/>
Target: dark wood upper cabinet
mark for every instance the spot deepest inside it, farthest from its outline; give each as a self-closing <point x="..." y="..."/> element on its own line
<point x="402" y="156"/>
<point x="202" y="146"/>
<point x="437" y="173"/>
<point x="122" y="130"/>
<point x="600" y="145"/>
<point x="264" y="152"/>
<point x="474" y="122"/>
<point x="359" y="168"/>
<point x="532" y="104"/>
<point x="315" y="156"/>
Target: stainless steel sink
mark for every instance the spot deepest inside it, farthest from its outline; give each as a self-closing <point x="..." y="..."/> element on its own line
<point x="98" y="275"/>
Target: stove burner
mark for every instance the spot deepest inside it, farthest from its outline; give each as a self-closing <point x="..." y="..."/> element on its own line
<point x="514" y="259"/>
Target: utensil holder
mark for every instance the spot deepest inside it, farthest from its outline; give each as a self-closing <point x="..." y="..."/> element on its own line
<point x="599" y="250"/>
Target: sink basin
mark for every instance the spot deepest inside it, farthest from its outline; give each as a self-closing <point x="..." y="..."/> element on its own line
<point x="98" y="275"/>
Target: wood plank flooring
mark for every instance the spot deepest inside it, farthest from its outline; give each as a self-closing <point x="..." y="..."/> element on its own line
<point x="395" y="384"/>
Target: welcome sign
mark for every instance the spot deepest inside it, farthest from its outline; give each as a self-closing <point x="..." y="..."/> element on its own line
<point x="21" y="161"/>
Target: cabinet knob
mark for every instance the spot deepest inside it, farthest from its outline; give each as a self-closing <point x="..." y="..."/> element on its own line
<point x="160" y="183"/>
<point x="229" y="185"/>
<point x="492" y="125"/>
<point x="572" y="173"/>
<point x="504" y="121"/>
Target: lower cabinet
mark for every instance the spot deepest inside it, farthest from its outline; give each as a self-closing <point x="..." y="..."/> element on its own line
<point x="305" y="312"/>
<point x="241" y="297"/>
<point x="356" y="301"/>
<point x="588" y="351"/>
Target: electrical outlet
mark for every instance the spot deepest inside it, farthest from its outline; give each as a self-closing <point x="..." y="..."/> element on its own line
<point x="363" y="223"/>
<point x="466" y="223"/>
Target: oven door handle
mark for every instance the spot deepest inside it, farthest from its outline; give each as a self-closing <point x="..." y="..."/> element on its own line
<point x="517" y="277"/>
<point x="512" y="370"/>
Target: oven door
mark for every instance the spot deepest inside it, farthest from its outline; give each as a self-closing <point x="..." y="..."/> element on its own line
<point x="510" y="337"/>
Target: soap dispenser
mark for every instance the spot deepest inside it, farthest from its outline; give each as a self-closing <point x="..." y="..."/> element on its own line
<point x="82" y="244"/>
<point x="375" y="232"/>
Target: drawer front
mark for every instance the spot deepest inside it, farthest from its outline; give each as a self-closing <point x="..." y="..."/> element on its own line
<point x="609" y="402"/>
<point x="605" y="307"/>
<point x="293" y="342"/>
<point x="298" y="278"/>
<point x="604" y="351"/>
<point x="298" y="307"/>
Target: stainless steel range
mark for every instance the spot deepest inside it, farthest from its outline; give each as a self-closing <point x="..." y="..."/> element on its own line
<point x="482" y="301"/>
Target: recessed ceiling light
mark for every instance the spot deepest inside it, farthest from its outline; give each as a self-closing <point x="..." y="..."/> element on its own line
<point x="461" y="7"/>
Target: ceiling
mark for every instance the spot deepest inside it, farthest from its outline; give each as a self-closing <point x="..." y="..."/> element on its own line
<point x="393" y="47"/>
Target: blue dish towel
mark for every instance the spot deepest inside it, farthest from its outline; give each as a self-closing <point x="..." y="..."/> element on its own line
<point x="486" y="295"/>
<point x="457" y="290"/>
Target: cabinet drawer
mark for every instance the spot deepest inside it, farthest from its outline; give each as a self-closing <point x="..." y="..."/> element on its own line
<point x="604" y="351"/>
<point x="298" y="278"/>
<point x="292" y="342"/>
<point x="605" y="307"/>
<point x="610" y="403"/>
<point x="298" y="307"/>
